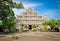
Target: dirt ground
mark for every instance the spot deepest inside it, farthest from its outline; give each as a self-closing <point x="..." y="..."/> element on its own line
<point x="35" y="36"/>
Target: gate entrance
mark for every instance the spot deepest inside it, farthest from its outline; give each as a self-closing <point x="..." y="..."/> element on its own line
<point x="30" y="27"/>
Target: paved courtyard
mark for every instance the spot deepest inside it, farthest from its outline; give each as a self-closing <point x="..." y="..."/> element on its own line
<point x="35" y="36"/>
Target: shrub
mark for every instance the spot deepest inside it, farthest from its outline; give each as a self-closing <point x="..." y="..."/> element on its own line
<point x="34" y="26"/>
<point x="15" y="37"/>
<point x="26" y="27"/>
<point x="17" y="30"/>
<point x="13" y="30"/>
<point x="43" y="30"/>
<point x="46" y="28"/>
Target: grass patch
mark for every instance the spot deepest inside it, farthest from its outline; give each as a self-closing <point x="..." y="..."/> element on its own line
<point x="43" y="30"/>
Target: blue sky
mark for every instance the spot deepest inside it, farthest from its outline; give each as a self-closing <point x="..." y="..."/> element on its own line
<point x="48" y="8"/>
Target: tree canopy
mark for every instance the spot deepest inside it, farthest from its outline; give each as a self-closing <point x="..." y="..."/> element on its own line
<point x="52" y="22"/>
<point x="7" y="15"/>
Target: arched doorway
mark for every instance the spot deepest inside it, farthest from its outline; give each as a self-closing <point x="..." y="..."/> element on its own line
<point x="30" y="27"/>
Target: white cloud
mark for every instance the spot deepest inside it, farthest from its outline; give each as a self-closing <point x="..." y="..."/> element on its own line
<point x="17" y="1"/>
<point x="18" y="11"/>
<point x="27" y="5"/>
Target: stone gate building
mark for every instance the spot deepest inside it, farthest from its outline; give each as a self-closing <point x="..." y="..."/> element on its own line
<point x="29" y="17"/>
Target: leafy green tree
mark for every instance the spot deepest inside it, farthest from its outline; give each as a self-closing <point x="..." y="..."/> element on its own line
<point x="6" y="13"/>
<point x="52" y="23"/>
<point x="46" y="23"/>
<point x="58" y="22"/>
